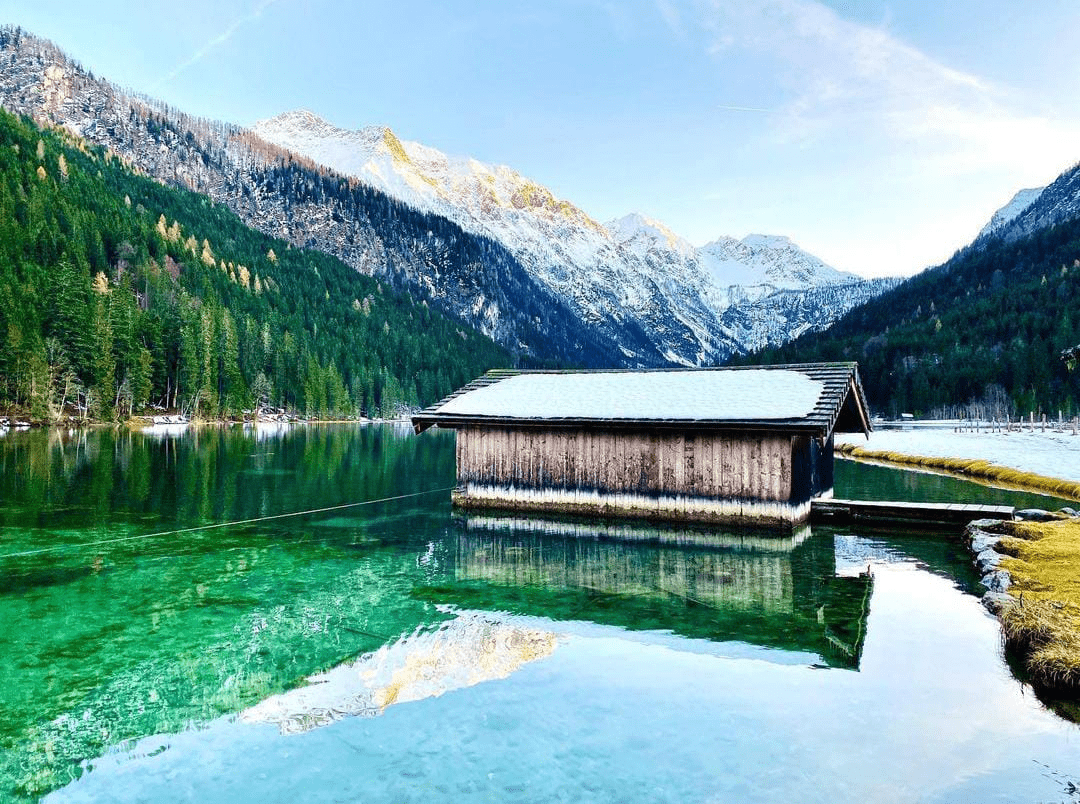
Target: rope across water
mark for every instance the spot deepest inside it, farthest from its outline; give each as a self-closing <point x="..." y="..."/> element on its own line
<point x="138" y="536"/>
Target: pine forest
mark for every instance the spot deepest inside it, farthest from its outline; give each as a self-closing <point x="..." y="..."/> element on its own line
<point x="983" y="335"/>
<point x="119" y="294"/>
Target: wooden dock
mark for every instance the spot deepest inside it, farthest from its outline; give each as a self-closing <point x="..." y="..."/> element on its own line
<point x="909" y="514"/>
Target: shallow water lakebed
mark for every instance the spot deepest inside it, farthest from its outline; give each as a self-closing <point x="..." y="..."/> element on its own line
<point x="482" y="659"/>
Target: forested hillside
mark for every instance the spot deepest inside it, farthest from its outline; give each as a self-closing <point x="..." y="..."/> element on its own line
<point x="472" y="278"/>
<point x="481" y="243"/>
<point x="980" y="335"/>
<point x="117" y="292"/>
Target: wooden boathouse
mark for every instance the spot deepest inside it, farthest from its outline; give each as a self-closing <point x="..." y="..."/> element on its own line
<point x="748" y="444"/>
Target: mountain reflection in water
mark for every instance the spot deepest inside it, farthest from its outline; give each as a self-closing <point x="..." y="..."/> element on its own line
<point x="772" y="590"/>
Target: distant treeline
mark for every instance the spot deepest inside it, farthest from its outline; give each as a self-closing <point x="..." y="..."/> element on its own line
<point x="981" y="335"/>
<point x="117" y="292"/>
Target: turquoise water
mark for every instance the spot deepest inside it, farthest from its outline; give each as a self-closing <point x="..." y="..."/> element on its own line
<point x="472" y="659"/>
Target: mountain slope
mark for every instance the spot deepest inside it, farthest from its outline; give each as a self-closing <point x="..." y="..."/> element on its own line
<point x="632" y="269"/>
<point x="472" y="278"/>
<point x="116" y="291"/>
<point x="1008" y="213"/>
<point x="980" y="335"/>
<point x="559" y="245"/>
<point x="483" y="244"/>
<point x="1057" y="202"/>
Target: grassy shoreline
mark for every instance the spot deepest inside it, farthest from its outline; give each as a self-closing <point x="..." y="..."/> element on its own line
<point x="970" y="468"/>
<point x="1043" y="625"/>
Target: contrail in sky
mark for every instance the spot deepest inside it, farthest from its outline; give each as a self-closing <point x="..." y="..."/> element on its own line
<point x="218" y="40"/>
<point x="742" y="108"/>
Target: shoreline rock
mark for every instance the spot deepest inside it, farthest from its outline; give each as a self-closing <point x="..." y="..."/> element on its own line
<point x="982" y="542"/>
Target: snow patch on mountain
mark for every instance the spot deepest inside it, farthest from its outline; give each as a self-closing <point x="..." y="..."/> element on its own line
<point x="1008" y="213"/>
<point x="632" y="273"/>
<point x="771" y="260"/>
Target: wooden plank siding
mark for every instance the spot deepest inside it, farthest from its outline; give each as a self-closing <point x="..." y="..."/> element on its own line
<point x="702" y="476"/>
<point x="752" y="466"/>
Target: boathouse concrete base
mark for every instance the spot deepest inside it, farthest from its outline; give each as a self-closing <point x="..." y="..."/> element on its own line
<point x="518" y="526"/>
<point x="660" y="507"/>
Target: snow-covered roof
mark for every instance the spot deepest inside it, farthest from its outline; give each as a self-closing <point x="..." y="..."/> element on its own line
<point x="692" y="395"/>
<point x="801" y="397"/>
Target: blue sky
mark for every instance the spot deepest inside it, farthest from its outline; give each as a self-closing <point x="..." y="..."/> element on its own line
<point x="878" y="135"/>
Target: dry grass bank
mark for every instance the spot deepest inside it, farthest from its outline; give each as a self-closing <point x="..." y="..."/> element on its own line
<point x="1044" y="625"/>
<point x="971" y="468"/>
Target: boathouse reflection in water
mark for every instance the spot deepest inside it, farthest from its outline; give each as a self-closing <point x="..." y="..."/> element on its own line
<point x="775" y="591"/>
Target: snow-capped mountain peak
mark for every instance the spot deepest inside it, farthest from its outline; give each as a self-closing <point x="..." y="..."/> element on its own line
<point x="633" y="275"/>
<point x="301" y="121"/>
<point x="639" y="233"/>
<point x="766" y="259"/>
<point x="461" y="188"/>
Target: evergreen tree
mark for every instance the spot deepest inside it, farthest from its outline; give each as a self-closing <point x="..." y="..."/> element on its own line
<point x="116" y="291"/>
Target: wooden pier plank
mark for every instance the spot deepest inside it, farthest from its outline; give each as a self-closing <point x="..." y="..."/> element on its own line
<point x="884" y="512"/>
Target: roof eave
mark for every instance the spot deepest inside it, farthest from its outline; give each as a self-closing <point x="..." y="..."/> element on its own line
<point x="422" y="422"/>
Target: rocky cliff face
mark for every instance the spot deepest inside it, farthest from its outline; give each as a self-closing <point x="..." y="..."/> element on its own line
<point x="1057" y="202"/>
<point x="632" y="269"/>
<point x="483" y="243"/>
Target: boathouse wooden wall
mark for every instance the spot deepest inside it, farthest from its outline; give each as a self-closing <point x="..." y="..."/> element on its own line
<point x="781" y="469"/>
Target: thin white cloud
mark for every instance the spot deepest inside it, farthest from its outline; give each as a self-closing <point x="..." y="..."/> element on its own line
<point x="850" y="80"/>
<point x="727" y="108"/>
<point x="217" y="41"/>
<point x="672" y="17"/>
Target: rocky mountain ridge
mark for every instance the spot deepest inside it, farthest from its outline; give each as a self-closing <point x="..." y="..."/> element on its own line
<point x="1008" y="213"/>
<point x="663" y="279"/>
<point x="495" y="250"/>
<point x="1035" y="209"/>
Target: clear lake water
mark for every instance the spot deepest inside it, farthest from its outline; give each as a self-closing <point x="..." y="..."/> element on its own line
<point x="397" y="651"/>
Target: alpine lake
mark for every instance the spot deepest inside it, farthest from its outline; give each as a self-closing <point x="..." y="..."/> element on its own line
<point x="382" y="648"/>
